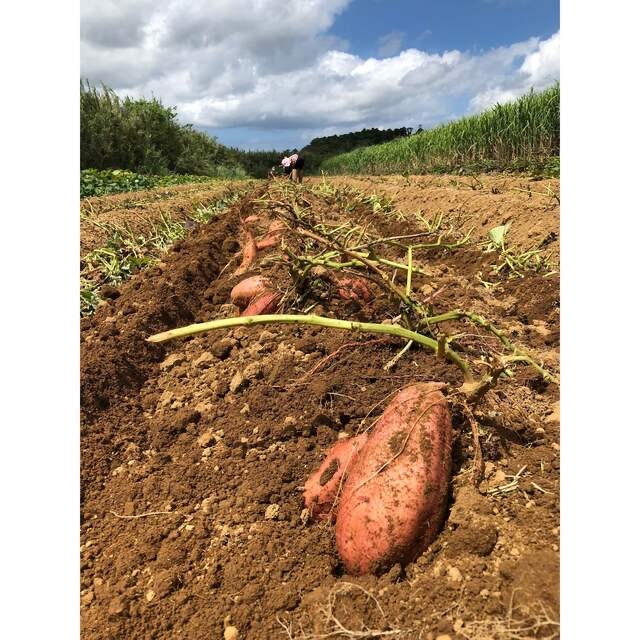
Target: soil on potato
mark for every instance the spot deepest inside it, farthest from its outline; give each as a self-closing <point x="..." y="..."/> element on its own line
<point x="194" y="451"/>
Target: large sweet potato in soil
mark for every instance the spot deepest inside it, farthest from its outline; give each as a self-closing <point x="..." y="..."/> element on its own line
<point x="395" y="495"/>
<point x="321" y="488"/>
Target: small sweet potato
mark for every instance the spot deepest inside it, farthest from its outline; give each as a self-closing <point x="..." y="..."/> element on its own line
<point x="321" y="488"/>
<point x="267" y="303"/>
<point x="355" y="289"/>
<point x="395" y="495"/>
<point x="267" y="242"/>
<point x="249" y="289"/>
<point x="249" y="252"/>
<point x="272" y="236"/>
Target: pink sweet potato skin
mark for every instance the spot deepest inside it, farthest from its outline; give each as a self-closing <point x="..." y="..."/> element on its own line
<point x="392" y="515"/>
<point x="321" y="488"/>
<point x="248" y="289"/>
<point x="249" y="252"/>
<point x="272" y="238"/>
<point x="267" y="303"/>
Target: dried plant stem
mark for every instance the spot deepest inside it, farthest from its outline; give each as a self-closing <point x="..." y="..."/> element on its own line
<point x="478" y="460"/>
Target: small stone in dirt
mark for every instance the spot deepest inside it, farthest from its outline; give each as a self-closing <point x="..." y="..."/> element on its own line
<point x="245" y="409"/>
<point x="231" y="633"/>
<point x="266" y="336"/>
<point x="499" y="477"/>
<point x="254" y="349"/>
<point x="129" y="508"/>
<point x="237" y="382"/>
<point x="426" y="290"/>
<point x="220" y="388"/>
<point x="118" y="607"/>
<point x="187" y="416"/>
<point x="173" y="360"/>
<point x="443" y="637"/>
<point x="87" y="598"/>
<point x="205" y="360"/>
<point x="454" y="574"/>
<point x="222" y="348"/>
<point x="555" y="414"/>
<point x="253" y="370"/>
<point x="272" y="511"/>
<point x="207" y="438"/>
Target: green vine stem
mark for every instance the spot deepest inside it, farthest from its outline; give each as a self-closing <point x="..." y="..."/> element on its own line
<point x="518" y="355"/>
<point x="348" y="325"/>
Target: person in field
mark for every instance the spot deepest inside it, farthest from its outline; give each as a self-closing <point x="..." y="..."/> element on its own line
<point x="287" y="167"/>
<point x="297" y="163"/>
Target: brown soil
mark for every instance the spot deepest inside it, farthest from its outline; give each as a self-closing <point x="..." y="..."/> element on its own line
<point x="194" y="451"/>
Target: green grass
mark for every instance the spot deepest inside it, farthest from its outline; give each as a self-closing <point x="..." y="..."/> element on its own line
<point x="101" y="183"/>
<point x="519" y="136"/>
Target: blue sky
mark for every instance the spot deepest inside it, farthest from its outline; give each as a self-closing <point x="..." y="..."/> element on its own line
<point x="434" y="27"/>
<point x="263" y="74"/>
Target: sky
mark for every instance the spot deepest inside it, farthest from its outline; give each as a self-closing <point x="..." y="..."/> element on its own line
<point x="266" y="74"/>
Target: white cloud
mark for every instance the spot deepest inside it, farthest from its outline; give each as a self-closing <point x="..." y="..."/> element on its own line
<point x="269" y="65"/>
<point x="543" y="66"/>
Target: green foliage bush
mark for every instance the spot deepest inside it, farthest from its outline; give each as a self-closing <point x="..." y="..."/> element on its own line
<point x="144" y="137"/>
<point x="101" y="183"/>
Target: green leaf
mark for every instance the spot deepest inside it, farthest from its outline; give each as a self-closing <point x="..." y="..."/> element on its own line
<point x="497" y="234"/>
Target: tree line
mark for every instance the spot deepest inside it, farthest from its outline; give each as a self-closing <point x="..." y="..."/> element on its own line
<point x="320" y="149"/>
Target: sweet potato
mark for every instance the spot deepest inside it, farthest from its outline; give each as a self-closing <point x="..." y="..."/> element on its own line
<point x="395" y="495"/>
<point x="267" y="242"/>
<point x="249" y="252"/>
<point x="267" y="303"/>
<point x="249" y="289"/>
<point x="354" y="289"/>
<point x="321" y="488"/>
<point x="272" y="236"/>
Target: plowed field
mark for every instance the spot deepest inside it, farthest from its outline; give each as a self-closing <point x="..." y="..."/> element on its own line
<point x="194" y="450"/>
